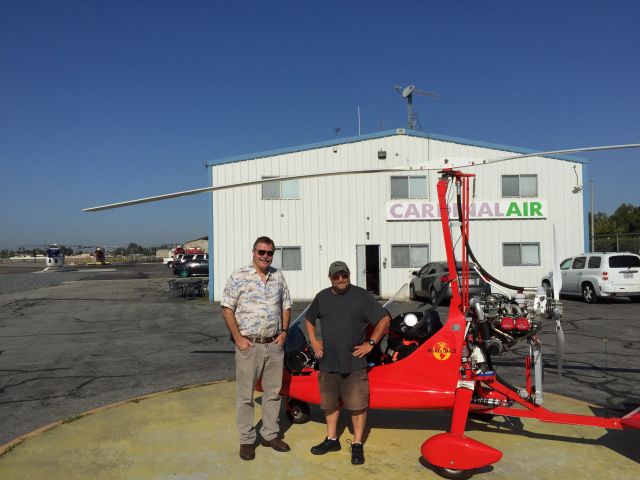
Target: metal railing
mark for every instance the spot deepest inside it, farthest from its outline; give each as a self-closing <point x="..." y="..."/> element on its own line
<point x="188" y="288"/>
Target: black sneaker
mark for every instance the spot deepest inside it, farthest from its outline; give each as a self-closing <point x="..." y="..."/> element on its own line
<point x="326" y="446"/>
<point x="357" y="454"/>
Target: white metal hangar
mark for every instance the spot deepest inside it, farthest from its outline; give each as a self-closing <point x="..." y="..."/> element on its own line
<point x="386" y="225"/>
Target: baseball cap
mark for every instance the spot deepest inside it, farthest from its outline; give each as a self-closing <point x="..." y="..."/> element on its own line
<point x="338" y="266"/>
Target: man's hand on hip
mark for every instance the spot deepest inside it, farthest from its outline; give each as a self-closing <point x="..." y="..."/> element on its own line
<point x="362" y="350"/>
<point x="317" y="348"/>
<point x="243" y="343"/>
<point x="281" y="338"/>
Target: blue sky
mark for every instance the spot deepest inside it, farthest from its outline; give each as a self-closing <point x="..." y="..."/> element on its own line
<point x="109" y="101"/>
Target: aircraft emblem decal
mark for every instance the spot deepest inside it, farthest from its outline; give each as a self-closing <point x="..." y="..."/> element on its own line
<point x="442" y="351"/>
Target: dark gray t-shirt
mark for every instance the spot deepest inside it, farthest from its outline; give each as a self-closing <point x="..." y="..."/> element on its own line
<point x="343" y="324"/>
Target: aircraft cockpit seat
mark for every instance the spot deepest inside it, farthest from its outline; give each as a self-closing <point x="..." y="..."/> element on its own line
<point x="408" y="331"/>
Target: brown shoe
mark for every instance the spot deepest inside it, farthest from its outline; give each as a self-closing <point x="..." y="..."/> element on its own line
<point x="247" y="451"/>
<point x="277" y="444"/>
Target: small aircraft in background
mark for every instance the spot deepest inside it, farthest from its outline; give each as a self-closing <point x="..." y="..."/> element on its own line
<point x="99" y="257"/>
<point x="54" y="257"/>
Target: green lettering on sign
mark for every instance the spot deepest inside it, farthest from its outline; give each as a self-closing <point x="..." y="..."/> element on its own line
<point x="535" y="209"/>
<point x="513" y="210"/>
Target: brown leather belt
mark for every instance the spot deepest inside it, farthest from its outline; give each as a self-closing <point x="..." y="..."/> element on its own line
<point x="262" y="339"/>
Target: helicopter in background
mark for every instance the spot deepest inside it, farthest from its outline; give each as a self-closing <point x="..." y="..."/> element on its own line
<point x="54" y="257"/>
<point x="99" y="257"/>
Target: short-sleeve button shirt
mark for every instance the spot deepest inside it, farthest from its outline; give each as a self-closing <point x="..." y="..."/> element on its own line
<point x="257" y="305"/>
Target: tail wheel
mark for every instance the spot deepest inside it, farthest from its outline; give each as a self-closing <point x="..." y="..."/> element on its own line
<point x="298" y="412"/>
<point x="588" y="293"/>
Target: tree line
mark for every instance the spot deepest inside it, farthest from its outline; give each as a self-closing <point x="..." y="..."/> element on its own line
<point x="625" y="220"/>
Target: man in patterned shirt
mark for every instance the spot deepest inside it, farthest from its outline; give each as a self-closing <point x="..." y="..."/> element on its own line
<point x="256" y="307"/>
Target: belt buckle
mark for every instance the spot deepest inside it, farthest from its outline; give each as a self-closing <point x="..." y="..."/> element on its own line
<point x="262" y="340"/>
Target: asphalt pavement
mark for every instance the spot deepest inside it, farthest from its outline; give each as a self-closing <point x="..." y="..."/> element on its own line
<point x="93" y="336"/>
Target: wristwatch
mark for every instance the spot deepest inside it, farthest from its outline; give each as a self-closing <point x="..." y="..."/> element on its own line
<point x="372" y="342"/>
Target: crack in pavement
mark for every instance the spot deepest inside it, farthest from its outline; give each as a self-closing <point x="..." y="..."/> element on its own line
<point x="12" y="370"/>
<point x="73" y="333"/>
<point x="73" y="392"/>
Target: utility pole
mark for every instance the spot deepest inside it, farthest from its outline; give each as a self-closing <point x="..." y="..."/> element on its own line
<point x="593" y="233"/>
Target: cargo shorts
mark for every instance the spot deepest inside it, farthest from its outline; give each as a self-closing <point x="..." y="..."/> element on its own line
<point x="352" y="388"/>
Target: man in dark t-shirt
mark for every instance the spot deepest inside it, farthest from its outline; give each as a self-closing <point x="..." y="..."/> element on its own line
<point x="344" y="311"/>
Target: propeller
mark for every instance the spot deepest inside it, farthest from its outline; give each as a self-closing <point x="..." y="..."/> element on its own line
<point x="419" y="167"/>
<point x="557" y="285"/>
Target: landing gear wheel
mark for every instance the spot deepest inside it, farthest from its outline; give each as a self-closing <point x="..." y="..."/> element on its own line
<point x="589" y="294"/>
<point x="298" y="412"/>
<point x="454" y="474"/>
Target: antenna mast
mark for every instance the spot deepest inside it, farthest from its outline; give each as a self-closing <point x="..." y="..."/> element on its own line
<point x="408" y="92"/>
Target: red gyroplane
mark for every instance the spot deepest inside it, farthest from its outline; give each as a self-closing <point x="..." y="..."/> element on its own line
<point x="430" y="366"/>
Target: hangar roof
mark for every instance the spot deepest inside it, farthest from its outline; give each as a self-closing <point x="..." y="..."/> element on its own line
<point x="382" y="134"/>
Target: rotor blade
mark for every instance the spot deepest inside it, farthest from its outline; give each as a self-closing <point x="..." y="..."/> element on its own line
<point x="571" y="150"/>
<point x="556" y="276"/>
<point x="559" y="346"/>
<point x="470" y="163"/>
<point x="252" y="182"/>
<point x="450" y="162"/>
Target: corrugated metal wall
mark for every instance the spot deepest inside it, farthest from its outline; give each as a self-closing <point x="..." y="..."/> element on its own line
<point x="334" y="214"/>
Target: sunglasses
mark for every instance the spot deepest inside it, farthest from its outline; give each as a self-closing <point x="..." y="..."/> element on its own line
<point x="340" y="276"/>
<point x="262" y="253"/>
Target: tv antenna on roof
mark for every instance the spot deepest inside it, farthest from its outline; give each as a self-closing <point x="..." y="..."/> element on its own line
<point x="408" y="92"/>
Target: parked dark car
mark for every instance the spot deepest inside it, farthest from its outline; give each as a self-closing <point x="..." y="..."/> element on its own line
<point x="430" y="280"/>
<point x="181" y="261"/>
<point x="196" y="267"/>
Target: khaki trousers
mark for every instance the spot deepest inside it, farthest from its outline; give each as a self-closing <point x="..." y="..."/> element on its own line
<point x="266" y="360"/>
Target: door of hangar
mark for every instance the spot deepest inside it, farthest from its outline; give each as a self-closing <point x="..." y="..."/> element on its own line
<point x="368" y="267"/>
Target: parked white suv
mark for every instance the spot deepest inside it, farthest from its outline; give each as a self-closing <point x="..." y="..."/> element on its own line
<point x="600" y="274"/>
